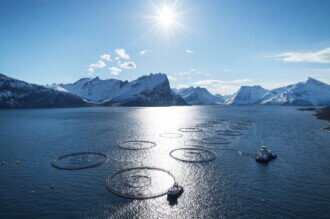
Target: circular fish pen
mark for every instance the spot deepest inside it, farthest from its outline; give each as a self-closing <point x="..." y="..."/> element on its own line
<point x="228" y="132"/>
<point x="215" y="140"/>
<point x="217" y="121"/>
<point x="204" y="125"/>
<point x="171" y="135"/>
<point x="81" y="160"/>
<point x="190" y="129"/>
<point x="140" y="182"/>
<point x="136" y="145"/>
<point x="193" y="155"/>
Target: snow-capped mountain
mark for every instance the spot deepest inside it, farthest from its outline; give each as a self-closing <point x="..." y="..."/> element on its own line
<point x="93" y="89"/>
<point x="308" y="93"/>
<point x="199" y="96"/>
<point x="247" y="95"/>
<point x="150" y="90"/>
<point x="19" y="94"/>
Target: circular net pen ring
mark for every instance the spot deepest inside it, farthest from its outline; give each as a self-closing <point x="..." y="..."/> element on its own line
<point x="190" y="129"/>
<point x="204" y="125"/>
<point x="122" y="145"/>
<point x="212" y="156"/>
<point x="56" y="164"/>
<point x="158" y="194"/>
<point x="217" y="121"/>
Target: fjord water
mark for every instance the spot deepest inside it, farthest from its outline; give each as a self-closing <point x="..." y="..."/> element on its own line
<point x="294" y="185"/>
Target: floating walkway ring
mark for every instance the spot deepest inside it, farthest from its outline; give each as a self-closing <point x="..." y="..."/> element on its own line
<point x="215" y="140"/>
<point x="190" y="129"/>
<point x="75" y="161"/>
<point x="170" y="135"/>
<point x="136" y="145"/>
<point x="150" y="179"/>
<point x="193" y="155"/>
<point x="204" y="125"/>
<point x="217" y="121"/>
<point x="228" y="132"/>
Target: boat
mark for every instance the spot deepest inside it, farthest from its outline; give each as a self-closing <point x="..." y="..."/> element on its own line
<point x="265" y="155"/>
<point x="175" y="192"/>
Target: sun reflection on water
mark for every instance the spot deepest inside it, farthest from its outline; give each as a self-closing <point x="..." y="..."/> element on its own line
<point x="158" y="120"/>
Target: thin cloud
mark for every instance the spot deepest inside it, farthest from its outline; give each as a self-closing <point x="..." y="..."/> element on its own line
<point x="145" y="52"/>
<point x="184" y="73"/>
<point x="106" y="57"/>
<point x="192" y="71"/>
<point x="189" y="51"/>
<point x="222" y="87"/>
<point x="321" y="56"/>
<point x="127" y="65"/>
<point x="179" y="86"/>
<point x="121" y="53"/>
<point x="115" y="70"/>
<point x="91" y="67"/>
<point x="90" y="71"/>
<point x="98" y="64"/>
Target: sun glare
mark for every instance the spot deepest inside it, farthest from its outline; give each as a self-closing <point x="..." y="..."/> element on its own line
<point x="166" y="17"/>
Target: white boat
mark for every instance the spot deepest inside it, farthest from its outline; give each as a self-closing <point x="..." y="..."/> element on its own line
<point x="265" y="155"/>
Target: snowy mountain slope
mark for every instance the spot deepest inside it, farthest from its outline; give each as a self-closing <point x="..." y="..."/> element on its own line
<point x="93" y="89"/>
<point x="308" y="93"/>
<point x="19" y="94"/>
<point x="58" y="87"/>
<point x="247" y="95"/>
<point x="150" y="90"/>
<point x="199" y="96"/>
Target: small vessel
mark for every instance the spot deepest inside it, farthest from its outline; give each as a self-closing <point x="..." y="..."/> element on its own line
<point x="265" y="155"/>
<point x="175" y="192"/>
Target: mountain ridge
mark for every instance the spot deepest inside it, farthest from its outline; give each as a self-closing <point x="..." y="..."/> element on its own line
<point x="147" y="90"/>
<point x="152" y="90"/>
<point x="20" y="94"/>
<point x="199" y="96"/>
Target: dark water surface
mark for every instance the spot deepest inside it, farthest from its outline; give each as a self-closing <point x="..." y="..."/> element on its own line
<point x="295" y="185"/>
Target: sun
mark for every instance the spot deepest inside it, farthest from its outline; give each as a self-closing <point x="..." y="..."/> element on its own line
<point x="166" y="16"/>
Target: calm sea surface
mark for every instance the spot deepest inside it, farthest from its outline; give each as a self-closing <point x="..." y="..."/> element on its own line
<point x="295" y="185"/>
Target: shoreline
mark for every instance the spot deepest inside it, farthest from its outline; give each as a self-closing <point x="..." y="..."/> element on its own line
<point x="324" y="114"/>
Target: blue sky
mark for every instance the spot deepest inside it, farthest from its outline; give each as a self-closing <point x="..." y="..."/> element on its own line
<point x="220" y="45"/>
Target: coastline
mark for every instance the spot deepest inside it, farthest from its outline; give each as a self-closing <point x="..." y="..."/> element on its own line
<point x="324" y="114"/>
